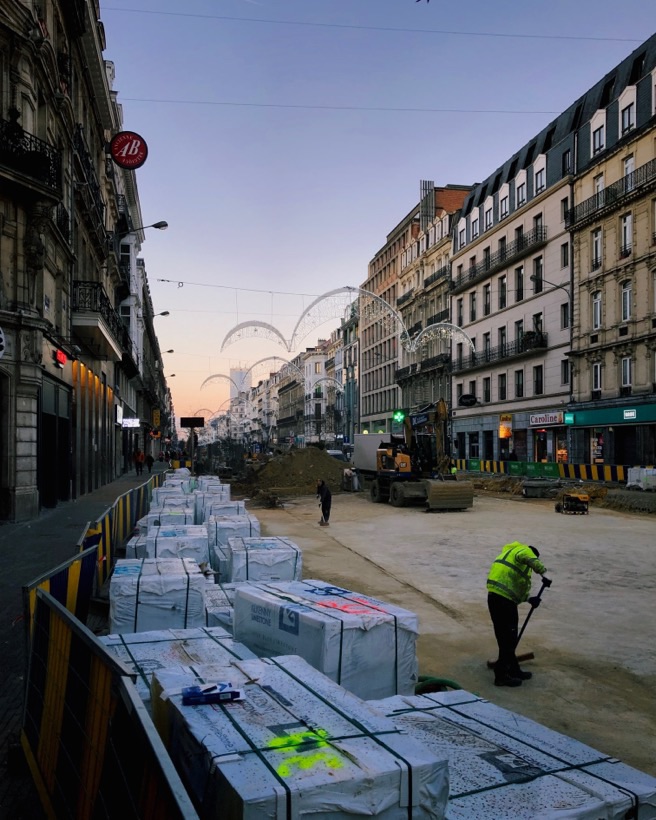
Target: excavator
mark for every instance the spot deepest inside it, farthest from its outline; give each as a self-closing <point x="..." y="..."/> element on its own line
<point x="414" y="469"/>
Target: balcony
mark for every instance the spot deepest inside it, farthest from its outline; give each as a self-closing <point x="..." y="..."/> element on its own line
<point x="405" y="298"/>
<point x="435" y="362"/>
<point x="503" y="258"/>
<point x="441" y="273"/>
<point x="529" y="343"/>
<point x="442" y="316"/>
<point x="96" y="322"/>
<point x="28" y="157"/>
<point x="637" y="182"/>
<point x="88" y="193"/>
<point x="63" y="222"/>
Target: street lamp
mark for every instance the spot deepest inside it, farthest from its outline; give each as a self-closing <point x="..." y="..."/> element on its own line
<point x="170" y="376"/>
<point x="169" y="351"/>
<point x="162" y="225"/>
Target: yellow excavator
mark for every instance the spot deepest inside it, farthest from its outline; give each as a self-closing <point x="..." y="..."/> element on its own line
<point x="414" y="469"/>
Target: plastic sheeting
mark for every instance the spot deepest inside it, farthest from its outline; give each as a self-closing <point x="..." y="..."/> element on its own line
<point x="178" y="542"/>
<point x="222" y="527"/>
<point x="366" y="645"/>
<point x="219" y="605"/>
<point x="272" y="558"/>
<point x="154" y="593"/>
<point x="160" y="516"/>
<point x="298" y="745"/>
<point x="503" y="766"/>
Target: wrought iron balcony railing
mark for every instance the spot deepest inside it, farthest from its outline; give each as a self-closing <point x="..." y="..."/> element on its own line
<point x="63" y="222"/>
<point x="405" y="298"/>
<point x="91" y="297"/>
<point x="29" y="155"/>
<point x="441" y="273"/>
<point x="611" y="196"/>
<point x="513" y="251"/>
<point x="511" y="350"/>
<point x="442" y="316"/>
<point x="91" y="186"/>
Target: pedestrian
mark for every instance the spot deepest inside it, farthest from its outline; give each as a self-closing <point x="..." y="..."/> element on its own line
<point x="135" y="459"/>
<point x="149" y="462"/>
<point x="325" y="500"/>
<point x="139" y="461"/>
<point x="508" y="585"/>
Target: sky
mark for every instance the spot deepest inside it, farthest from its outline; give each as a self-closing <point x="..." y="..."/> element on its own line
<point x="288" y="137"/>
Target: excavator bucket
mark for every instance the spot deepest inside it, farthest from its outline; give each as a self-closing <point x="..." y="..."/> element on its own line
<point x="449" y="495"/>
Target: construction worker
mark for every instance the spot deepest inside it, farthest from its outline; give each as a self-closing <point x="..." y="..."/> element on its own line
<point x="508" y="585"/>
<point x="325" y="501"/>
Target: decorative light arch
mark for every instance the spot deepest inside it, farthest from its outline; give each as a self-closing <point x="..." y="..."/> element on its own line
<point x="238" y="387"/>
<point x="330" y="382"/>
<point x="261" y="330"/>
<point x="286" y="365"/>
<point x="441" y="331"/>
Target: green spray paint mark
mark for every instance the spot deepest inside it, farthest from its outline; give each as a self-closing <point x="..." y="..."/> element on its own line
<point x="309" y="741"/>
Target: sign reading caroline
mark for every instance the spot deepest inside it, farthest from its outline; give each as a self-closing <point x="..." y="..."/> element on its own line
<point x="542" y="419"/>
<point x="128" y="150"/>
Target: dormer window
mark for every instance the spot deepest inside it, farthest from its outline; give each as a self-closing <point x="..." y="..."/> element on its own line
<point x="539" y="181"/>
<point x="598" y="140"/>
<point x="628" y="118"/>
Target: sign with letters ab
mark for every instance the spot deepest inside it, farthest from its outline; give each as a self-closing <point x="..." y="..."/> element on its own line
<point x="128" y="149"/>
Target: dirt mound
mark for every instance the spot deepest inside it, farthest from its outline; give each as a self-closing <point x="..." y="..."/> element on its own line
<point x="629" y="501"/>
<point x="291" y="474"/>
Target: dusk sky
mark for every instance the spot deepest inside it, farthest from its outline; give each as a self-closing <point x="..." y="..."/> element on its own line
<point x="288" y="137"/>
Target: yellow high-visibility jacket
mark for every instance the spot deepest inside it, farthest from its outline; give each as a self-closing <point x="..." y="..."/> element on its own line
<point x="510" y="573"/>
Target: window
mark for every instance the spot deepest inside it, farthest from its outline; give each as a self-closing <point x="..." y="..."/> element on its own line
<point x="472" y="307"/>
<point x="519" y="283"/>
<point x="461" y="238"/>
<point x="459" y="312"/>
<point x="629" y="168"/>
<point x="537" y="275"/>
<point x="628" y="118"/>
<point x="566" y="162"/>
<point x="472" y="387"/>
<point x="486" y="389"/>
<point x="458" y="390"/>
<point x="596" y="376"/>
<point x="564" y="315"/>
<point x="627" y="380"/>
<point x="598" y="183"/>
<point x="488" y="219"/>
<point x="537" y="223"/>
<point x="501" y="386"/>
<point x="474" y="228"/>
<point x="537" y="322"/>
<point x="487" y="299"/>
<point x="502" y="292"/>
<point x="459" y="354"/>
<point x="596" y="310"/>
<point x="564" y="255"/>
<point x="487" y="347"/>
<point x="539" y="181"/>
<point x="502" y="340"/>
<point x="472" y="262"/>
<point x="626" y="231"/>
<point x="318" y="368"/>
<point x="564" y="371"/>
<point x="503" y="244"/>
<point x="538" y="380"/>
<point x="521" y="194"/>
<point x="519" y="384"/>
<point x="598" y="143"/>
<point x="564" y="207"/>
<point x="519" y="331"/>
<point x="486" y="257"/>
<point x="626" y="300"/>
<point x="503" y="207"/>
<point x="596" y="248"/>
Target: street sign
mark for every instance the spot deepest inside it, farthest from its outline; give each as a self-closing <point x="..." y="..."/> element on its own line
<point x="467" y="400"/>
<point x="156" y="418"/>
<point x="192" y="421"/>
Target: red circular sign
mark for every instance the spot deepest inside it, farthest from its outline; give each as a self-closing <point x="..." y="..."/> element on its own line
<point x="128" y="149"/>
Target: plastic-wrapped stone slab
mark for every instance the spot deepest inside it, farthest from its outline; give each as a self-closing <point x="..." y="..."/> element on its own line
<point x="145" y="652"/>
<point x="170" y="516"/>
<point x="171" y="497"/>
<point x="220" y="561"/>
<point x="141" y="527"/>
<point x="178" y="542"/>
<point x="214" y="507"/>
<point x="298" y="746"/>
<point x="204" y="500"/>
<point x="222" y="527"/>
<point x="219" y="605"/>
<point x="366" y="645"/>
<point x="136" y="547"/>
<point x="272" y="558"/>
<point x="503" y="766"/>
<point x="154" y="593"/>
<point x="208" y="483"/>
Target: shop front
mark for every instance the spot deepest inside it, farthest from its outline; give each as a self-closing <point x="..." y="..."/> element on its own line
<point x="615" y="435"/>
<point x="549" y="436"/>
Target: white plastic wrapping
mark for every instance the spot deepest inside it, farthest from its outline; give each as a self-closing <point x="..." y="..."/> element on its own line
<point x="170" y="541"/>
<point x="144" y="652"/>
<point x="222" y="527"/>
<point x="366" y="645"/>
<point x="205" y="499"/>
<point x="503" y="765"/>
<point x="170" y="516"/>
<point x="219" y="603"/>
<point x="271" y="558"/>
<point x="156" y="593"/>
<point x="171" y="497"/>
<point x="136" y="546"/>
<point x="227" y="507"/>
<point x="298" y="746"/>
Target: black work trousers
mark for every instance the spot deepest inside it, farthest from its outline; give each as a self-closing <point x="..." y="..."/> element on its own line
<point x="505" y="619"/>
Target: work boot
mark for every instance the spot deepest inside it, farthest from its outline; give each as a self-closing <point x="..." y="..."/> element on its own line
<point x="507" y="680"/>
<point x="521" y="674"/>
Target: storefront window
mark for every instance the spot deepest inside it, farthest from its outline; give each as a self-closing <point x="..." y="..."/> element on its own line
<point x="473" y="446"/>
<point x="596" y="446"/>
<point x="560" y="436"/>
<point x="540" y="445"/>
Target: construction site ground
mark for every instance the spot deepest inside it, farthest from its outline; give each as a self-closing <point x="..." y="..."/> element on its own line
<point x="593" y="637"/>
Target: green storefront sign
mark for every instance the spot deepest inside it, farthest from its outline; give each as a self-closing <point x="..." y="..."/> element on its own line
<point x="637" y="414"/>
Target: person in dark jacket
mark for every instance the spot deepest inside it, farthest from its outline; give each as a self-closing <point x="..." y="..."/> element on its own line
<point x="508" y="585"/>
<point x="325" y="500"/>
<point x="149" y="462"/>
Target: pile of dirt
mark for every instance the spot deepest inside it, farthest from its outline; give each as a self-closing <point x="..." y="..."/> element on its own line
<point x="498" y="484"/>
<point x="629" y="501"/>
<point x="291" y="474"/>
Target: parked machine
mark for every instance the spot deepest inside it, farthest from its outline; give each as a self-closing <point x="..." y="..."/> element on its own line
<point x="414" y="468"/>
<point x="574" y="503"/>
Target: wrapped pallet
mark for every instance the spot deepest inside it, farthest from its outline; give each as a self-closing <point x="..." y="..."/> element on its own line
<point x="136" y="546"/>
<point x="297" y="745"/>
<point x="364" y="644"/>
<point x="141" y="527"/>
<point x="208" y="483"/>
<point x="170" y="541"/>
<point x="213" y="507"/>
<point x="154" y="593"/>
<point x="272" y="558"/>
<point x="222" y="527"/>
<point x="219" y="605"/>
<point x="144" y="652"/>
<point x="171" y="497"/>
<point x="507" y="767"/>
<point x="177" y="516"/>
<point x="220" y="563"/>
<point x="204" y="500"/>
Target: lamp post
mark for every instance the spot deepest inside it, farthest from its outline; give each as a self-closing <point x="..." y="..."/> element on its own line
<point x="163" y="313"/>
<point x="162" y="225"/>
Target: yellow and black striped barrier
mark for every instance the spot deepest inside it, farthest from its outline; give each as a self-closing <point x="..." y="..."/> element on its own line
<point x="88" y="740"/>
<point x="612" y="473"/>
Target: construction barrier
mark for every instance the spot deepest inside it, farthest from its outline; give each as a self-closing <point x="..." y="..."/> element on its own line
<point x="88" y="740"/>
<point x="616" y="473"/>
